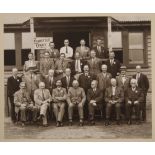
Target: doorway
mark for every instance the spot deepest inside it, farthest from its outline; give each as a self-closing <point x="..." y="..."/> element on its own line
<point x="73" y="37"/>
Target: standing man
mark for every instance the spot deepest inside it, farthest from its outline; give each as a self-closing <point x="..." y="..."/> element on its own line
<point x="42" y="98"/>
<point x="30" y="63"/>
<point x="46" y="64"/>
<point x="76" y="98"/>
<point x="60" y="66"/>
<point x="95" y="99"/>
<point x="100" y="50"/>
<point x="104" y="79"/>
<point x="59" y="97"/>
<point x="113" y="65"/>
<point x="143" y="83"/>
<point x="94" y="63"/>
<point x="77" y="65"/>
<point x="122" y="80"/>
<point x="114" y="97"/>
<point x="67" y="50"/>
<point x="13" y="86"/>
<point x="83" y="50"/>
<point x="50" y="81"/>
<point x="32" y="81"/>
<point x="67" y="80"/>
<point x="24" y="104"/>
<point x="54" y="53"/>
<point x="134" y="98"/>
<point x="85" y="80"/>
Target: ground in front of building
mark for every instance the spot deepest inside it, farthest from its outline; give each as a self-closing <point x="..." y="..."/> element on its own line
<point x="87" y="132"/>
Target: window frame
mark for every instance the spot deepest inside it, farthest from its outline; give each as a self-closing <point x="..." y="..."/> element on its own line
<point x="126" y="51"/>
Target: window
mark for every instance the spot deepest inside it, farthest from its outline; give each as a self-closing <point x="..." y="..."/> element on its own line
<point x="9" y="57"/>
<point x="136" y="48"/>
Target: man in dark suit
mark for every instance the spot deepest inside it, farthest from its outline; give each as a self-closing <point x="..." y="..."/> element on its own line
<point x="113" y="65"/>
<point x="95" y="99"/>
<point x="67" y="80"/>
<point x="114" y="96"/>
<point x="133" y="98"/>
<point x="50" y="81"/>
<point x="13" y="86"/>
<point x="77" y="65"/>
<point x="85" y="80"/>
<point x="100" y="50"/>
<point x="143" y="83"/>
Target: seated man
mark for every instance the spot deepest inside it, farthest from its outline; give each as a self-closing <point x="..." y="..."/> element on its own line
<point x="95" y="98"/>
<point x="133" y="98"/>
<point x="24" y="104"/>
<point x="42" y="99"/>
<point x="76" y="97"/>
<point x="59" y="97"/>
<point x="114" y="96"/>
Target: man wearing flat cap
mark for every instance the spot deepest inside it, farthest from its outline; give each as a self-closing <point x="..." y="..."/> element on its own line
<point x="123" y="81"/>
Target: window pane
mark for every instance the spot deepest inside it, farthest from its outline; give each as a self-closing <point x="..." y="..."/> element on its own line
<point x="136" y="41"/>
<point x="116" y="39"/>
<point x="9" y="41"/>
<point x="136" y="56"/>
<point x="9" y="58"/>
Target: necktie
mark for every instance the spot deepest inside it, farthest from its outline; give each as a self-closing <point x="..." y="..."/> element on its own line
<point x="68" y="80"/>
<point x="66" y="49"/>
<point x="111" y="62"/>
<point x="99" y="48"/>
<point x="43" y="97"/>
<point x="51" y="80"/>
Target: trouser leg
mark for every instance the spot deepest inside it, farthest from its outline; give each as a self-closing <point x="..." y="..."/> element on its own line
<point x="91" y="111"/>
<point x="80" y="110"/>
<point x="34" y="113"/>
<point x="23" y="114"/>
<point x="118" y="110"/>
<point x="70" y="111"/>
<point x="108" y="110"/>
<point x="137" y="111"/>
<point x="13" y="114"/>
<point x="61" y="112"/>
<point x="55" y="110"/>
<point x="144" y="109"/>
<point x="43" y="111"/>
<point x="128" y="111"/>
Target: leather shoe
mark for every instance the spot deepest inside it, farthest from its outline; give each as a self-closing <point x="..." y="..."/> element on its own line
<point x="45" y="125"/>
<point x="118" y="122"/>
<point x="70" y="123"/>
<point x="107" y="123"/>
<point x="129" y="122"/>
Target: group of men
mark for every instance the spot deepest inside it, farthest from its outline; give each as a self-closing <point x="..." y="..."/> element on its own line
<point x="92" y="80"/>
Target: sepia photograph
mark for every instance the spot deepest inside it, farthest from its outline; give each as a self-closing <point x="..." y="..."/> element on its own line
<point x="77" y="77"/>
